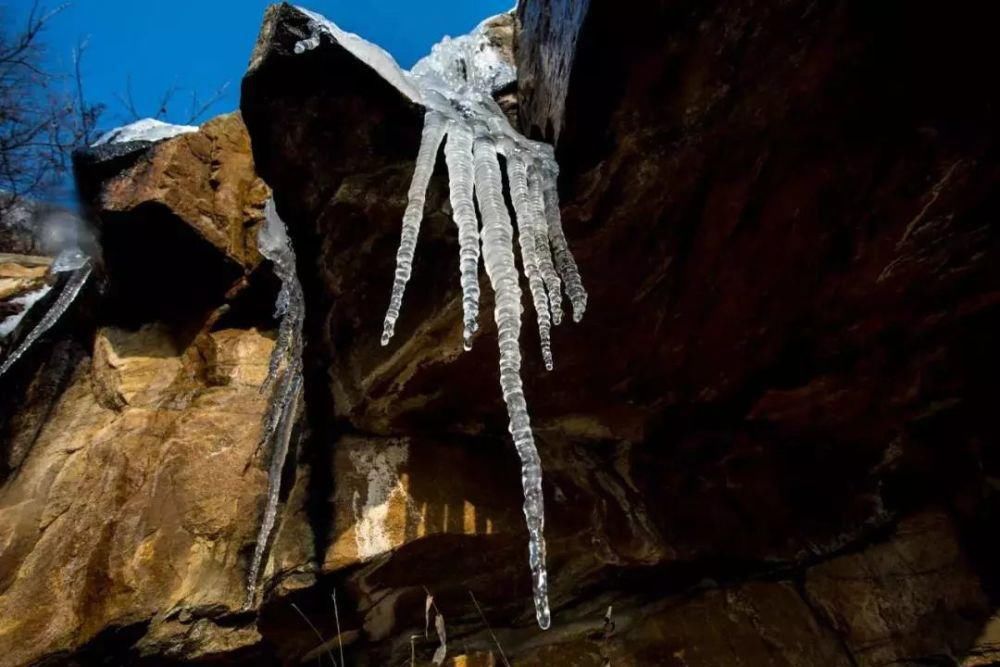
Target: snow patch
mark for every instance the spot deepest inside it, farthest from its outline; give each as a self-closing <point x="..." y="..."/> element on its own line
<point x="71" y="289"/>
<point x="27" y="301"/>
<point x="147" y="129"/>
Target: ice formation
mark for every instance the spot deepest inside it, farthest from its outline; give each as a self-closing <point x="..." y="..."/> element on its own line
<point x="79" y="266"/>
<point x="455" y="83"/>
<point x="147" y="129"/>
<point x="284" y="378"/>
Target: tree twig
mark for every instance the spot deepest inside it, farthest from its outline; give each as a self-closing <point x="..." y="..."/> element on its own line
<point x="340" y="636"/>
<point x="496" y="641"/>
<point x="322" y="642"/>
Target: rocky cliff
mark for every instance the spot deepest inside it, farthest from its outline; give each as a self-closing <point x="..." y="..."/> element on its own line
<point x="771" y="441"/>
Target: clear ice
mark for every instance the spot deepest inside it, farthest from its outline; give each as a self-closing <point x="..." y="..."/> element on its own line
<point x="79" y="266"/>
<point x="456" y="83"/>
<point x="284" y="379"/>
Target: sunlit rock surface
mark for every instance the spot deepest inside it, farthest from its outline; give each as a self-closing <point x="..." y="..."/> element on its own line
<point x="132" y="501"/>
<point x="204" y="178"/>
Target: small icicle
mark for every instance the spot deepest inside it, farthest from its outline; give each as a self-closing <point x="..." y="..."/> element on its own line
<point x="527" y="223"/>
<point x="430" y="142"/>
<point x="284" y="437"/>
<point x="81" y="267"/>
<point x="310" y="42"/>
<point x="564" y="261"/>
<point x="543" y="250"/>
<point x="498" y="256"/>
<point x="458" y="156"/>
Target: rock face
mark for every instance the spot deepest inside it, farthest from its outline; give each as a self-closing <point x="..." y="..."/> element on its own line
<point x="770" y="442"/>
<point x="132" y="501"/>
<point x="195" y="196"/>
<point x="206" y="179"/>
<point x="792" y="294"/>
<point x="131" y="487"/>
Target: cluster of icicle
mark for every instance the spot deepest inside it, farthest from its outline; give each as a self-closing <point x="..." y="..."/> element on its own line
<point x="455" y="83"/>
<point x="79" y="267"/>
<point x="284" y="378"/>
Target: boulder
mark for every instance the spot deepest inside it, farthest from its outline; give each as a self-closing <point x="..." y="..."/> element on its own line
<point x="132" y="485"/>
<point x="206" y="179"/>
<point x="132" y="505"/>
<point x="194" y="198"/>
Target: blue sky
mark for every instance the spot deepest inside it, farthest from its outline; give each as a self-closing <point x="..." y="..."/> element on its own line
<point x="201" y="44"/>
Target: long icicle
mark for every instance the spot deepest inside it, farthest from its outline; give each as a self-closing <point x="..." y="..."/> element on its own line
<point x="284" y="378"/>
<point x="281" y="446"/>
<point x="564" y="261"/>
<point x="498" y="256"/>
<point x="287" y="344"/>
<point x="430" y="141"/>
<point x="71" y="290"/>
<point x="458" y="156"/>
<point x="542" y="248"/>
<point x="517" y="174"/>
<point x="289" y="309"/>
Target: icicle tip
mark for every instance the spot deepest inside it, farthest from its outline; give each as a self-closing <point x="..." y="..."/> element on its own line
<point x="388" y="329"/>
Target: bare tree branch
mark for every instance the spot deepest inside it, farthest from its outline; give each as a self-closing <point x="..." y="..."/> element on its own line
<point x="164" y="107"/>
<point x="198" y="110"/>
<point x="127" y="100"/>
<point x="86" y="124"/>
<point x="40" y="121"/>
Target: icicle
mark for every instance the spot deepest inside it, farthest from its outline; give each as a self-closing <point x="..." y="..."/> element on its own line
<point x="498" y="256"/>
<point x="527" y="228"/>
<point x="430" y="142"/>
<point x="284" y="375"/>
<point x="81" y="267"/>
<point x="458" y="156"/>
<point x="456" y="83"/>
<point x="544" y="253"/>
<point x="288" y="344"/>
<point x="284" y="437"/>
<point x="564" y="261"/>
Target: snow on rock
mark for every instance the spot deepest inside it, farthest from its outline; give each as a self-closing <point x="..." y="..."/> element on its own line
<point x="147" y="129"/>
<point x="371" y="54"/>
<point x="26" y="301"/>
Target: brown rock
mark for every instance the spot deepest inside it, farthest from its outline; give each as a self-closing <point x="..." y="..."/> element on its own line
<point x="792" y="297"/>
<point x="204" y="178"/>
<point x="986" y="650"/>
<point x="17" y="278"/>
<point x="754" y="624"/>
<point x="911" y="597"/>
<point x="135" y="501"/>
<point x="783" y="215"/>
